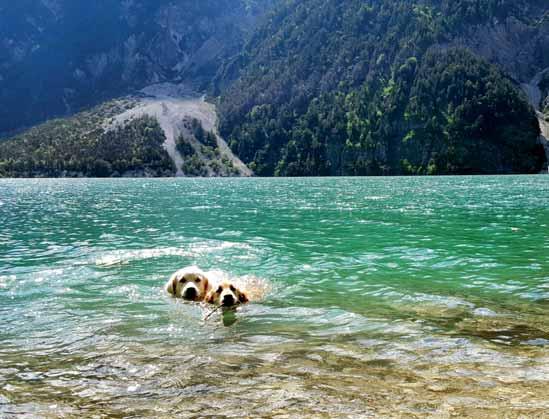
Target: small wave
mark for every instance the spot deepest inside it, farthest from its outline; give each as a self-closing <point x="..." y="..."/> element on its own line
<point x="119" y="257"/>
<point x="129" y="291"/>
<point x="230" y="233"/>
<point x="5" y="280"/>
<point x="192" y="251"/>
<point x="445" y="301"/>
<point x="376" y="198"/>
<point x="205" y="207"/>
<point x="210" y="247"/>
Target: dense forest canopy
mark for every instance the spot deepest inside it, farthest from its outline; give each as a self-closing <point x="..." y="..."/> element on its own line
<point x="81" y="146"/>
<point x="330" y="87"/>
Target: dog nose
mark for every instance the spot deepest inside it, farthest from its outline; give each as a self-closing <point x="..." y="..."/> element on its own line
<point x="228" y="300"/>
<point x="190" y="293"/>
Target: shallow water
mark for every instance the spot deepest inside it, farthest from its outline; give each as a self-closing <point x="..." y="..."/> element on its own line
<point x="391" y="297"/>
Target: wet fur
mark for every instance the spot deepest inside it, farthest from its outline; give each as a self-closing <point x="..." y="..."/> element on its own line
<point x="209" y="288"/>
<point x="226" y="289"/>
<point x="191" y="277"/>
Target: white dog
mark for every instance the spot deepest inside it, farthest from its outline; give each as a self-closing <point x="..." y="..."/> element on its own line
<point x="189" y="283"/>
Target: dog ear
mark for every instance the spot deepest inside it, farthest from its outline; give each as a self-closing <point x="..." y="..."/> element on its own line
<point x="243" y="298"/>
<point x="207" y="285"/>
<point x="172" y="285"/>
<point x="210" y="297"/>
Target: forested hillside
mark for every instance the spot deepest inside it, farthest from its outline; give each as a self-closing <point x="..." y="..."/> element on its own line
<point x="80" y="146"/>
<point x="333" y="87"/>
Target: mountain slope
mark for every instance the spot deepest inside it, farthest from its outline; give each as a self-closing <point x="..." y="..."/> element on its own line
<point x="59" y="56"/>
<point x="79" y="146"/>
<point x="313" y="87"/>
<point x="357" y="87"/>
<point x="140" y="135"/>
<point x="176" y="110"/>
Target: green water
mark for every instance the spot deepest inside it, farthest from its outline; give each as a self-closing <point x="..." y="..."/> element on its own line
<point x="390" y="297"/>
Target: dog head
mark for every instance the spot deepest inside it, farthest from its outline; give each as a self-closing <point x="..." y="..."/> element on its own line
<point x="227" y="295"/>
<point x="189" y="284"/>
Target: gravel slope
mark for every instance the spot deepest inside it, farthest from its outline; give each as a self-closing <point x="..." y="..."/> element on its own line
<point x="170" y="104"/>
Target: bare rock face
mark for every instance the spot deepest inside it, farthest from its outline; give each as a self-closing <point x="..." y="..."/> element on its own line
<point x="97" y="50"/>
<point x="520" y="49"/>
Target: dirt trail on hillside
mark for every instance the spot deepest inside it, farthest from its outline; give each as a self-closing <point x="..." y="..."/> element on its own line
<point x="170" y="104"/>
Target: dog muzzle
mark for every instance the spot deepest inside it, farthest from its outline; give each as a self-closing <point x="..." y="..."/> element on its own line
<point x="190" y="292"/>
<point x="228" y="299"/>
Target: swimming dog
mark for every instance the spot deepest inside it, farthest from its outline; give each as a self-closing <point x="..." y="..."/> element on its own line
<point x="226" y="294"/>
<point x="189" y="283"/>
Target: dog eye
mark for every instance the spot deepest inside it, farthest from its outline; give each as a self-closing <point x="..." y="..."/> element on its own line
<point x="220" y="290"/>
<point x="233" y="288"/>
<point x="197" y="280"/>
<point x="182" y="280"/>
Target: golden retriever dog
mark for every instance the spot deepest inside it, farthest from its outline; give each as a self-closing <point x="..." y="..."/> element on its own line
<point x="189" y="283"/>
<point x="226" y="294"/>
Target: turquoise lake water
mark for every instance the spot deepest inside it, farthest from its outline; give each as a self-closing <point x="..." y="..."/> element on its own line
<point x="390" y="297"/>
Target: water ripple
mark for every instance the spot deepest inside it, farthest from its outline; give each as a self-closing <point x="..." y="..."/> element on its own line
<point x="429" y="292"/>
